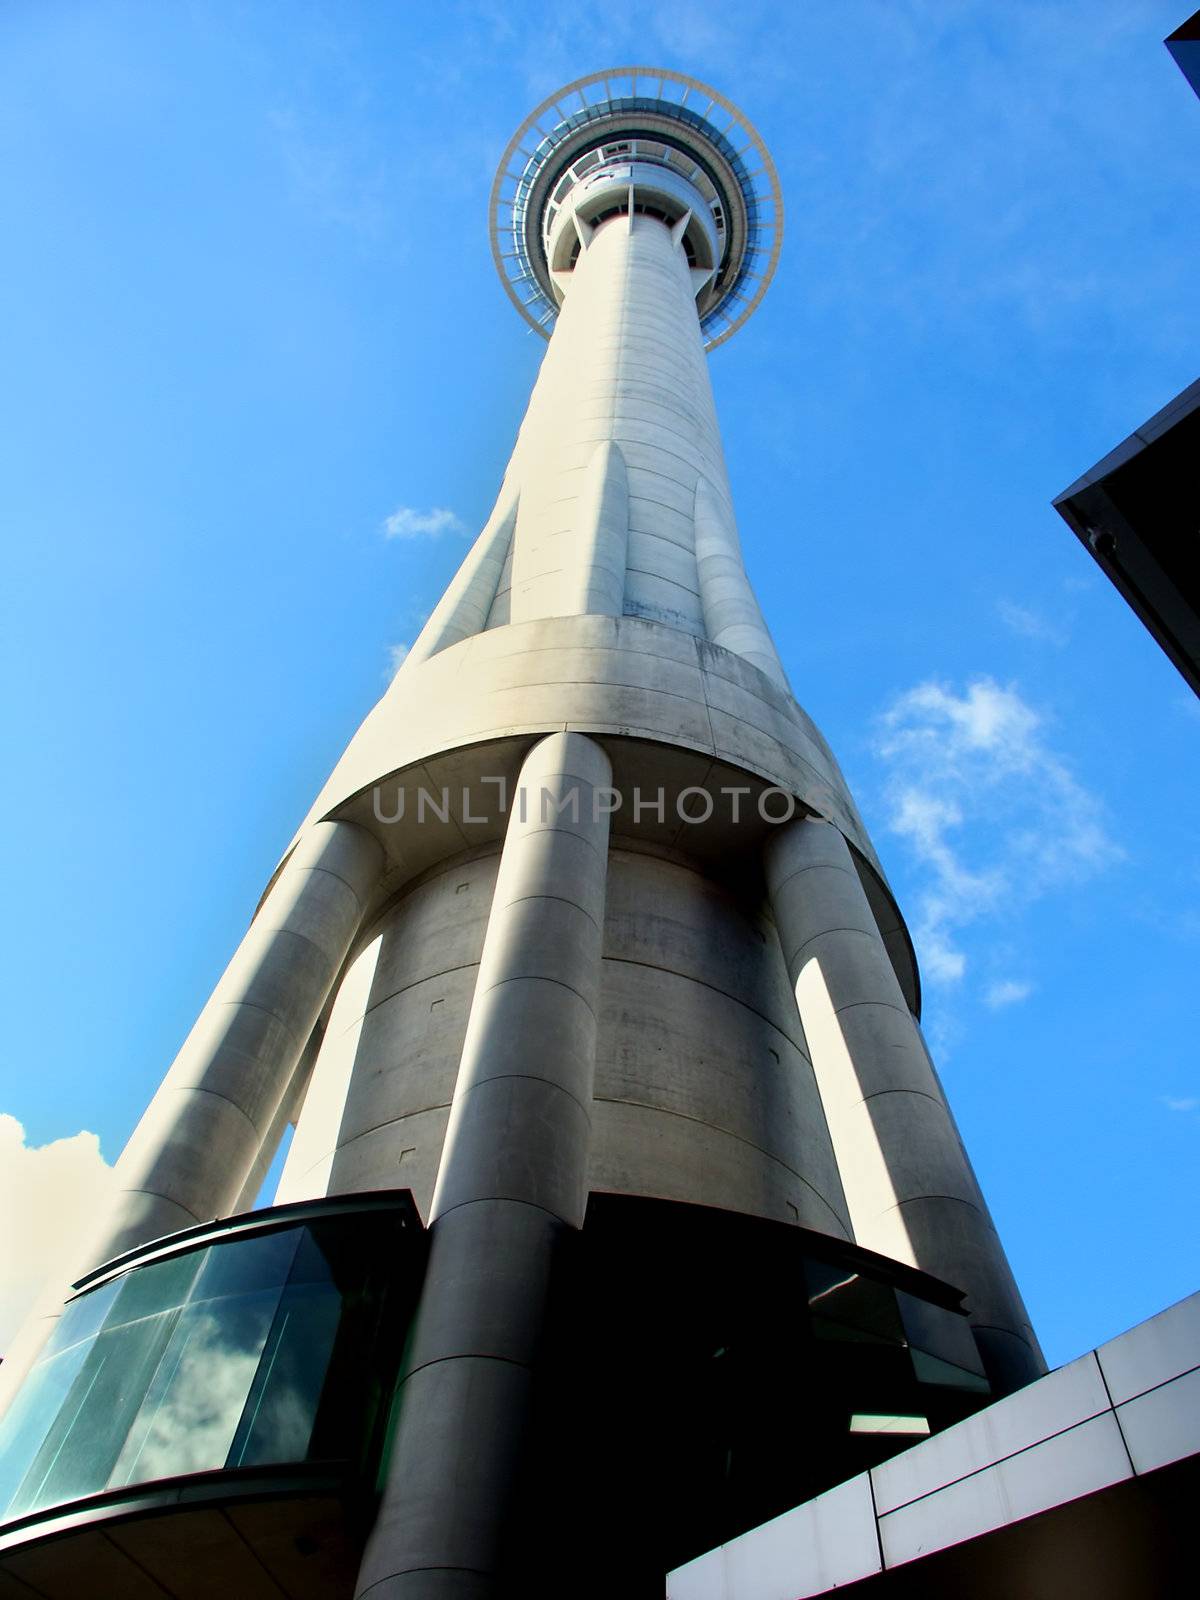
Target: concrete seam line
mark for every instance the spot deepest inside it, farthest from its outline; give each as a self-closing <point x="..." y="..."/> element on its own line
<point x="292" y="933"/>
<point x="152" y="1194"/>
<point x="728" y="1133"/>
<point x="956" y="1199"/>
<point x="644" y="572"/>
<point x="885" y="1005"/>
<point x="713" y="988"/>
<point x="252" y="1005"/>
<point x="405" y="988"/>
<point x="463" y="1355"/>
<point x="1011" y="1333"/>
<point x="330" y="873"/>
<point x="390" y="1122"/>
<point x="813" y="937"/>
<point x="817" y="866"/>
<point x="649" y="533"/>
<point x="533" y="977"/>
<point x="199" y="1088"/>
<point x="561" y="899"/>
<point x="524" y="1077"/>
<point x="924" y="1093"/>
<point x="529" y="833"/>
<point x="507" y="1200"/>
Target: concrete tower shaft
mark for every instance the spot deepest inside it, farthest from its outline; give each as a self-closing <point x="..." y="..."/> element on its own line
<point x="617" y="501"/>
<point x="586" y="912"/>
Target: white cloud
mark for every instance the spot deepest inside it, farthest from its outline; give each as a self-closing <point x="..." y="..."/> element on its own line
<point x="987" y="807"/>
<point x="1030" y="624"/>
<point x="48" y="1196"/>
<point x="1188" y="1103"/>
<point x="406" y="523"/>
<point x="1007" y="992"/>
<point x="397" y="656"/>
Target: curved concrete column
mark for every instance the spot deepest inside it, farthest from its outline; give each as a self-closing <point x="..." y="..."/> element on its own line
<point x="191" y="1153"/>
<point x="909" y="1186"/>
<point x="287" y="1112"/>
<point x="513" y="1180"/>
<point x="463" y="609"/>
<point x="732" y="616"/>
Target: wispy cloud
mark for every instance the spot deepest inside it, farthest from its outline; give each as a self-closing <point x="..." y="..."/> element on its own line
<point x="1007" y="992"/>
<point x="397" y="656"/>
<point x="1187" y="1103"/>
<point x="1031" y="624"/>
<point x="48" y="1194"/>
<point x="988" y="808"/>
<point x="407" y="523"/>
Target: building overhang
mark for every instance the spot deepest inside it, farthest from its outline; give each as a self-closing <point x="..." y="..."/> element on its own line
<point x="1137" y="514"/>
<point x="1082" y="1483"/>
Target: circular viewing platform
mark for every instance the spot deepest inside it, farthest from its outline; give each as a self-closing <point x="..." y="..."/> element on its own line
<point x="653" y="130"/>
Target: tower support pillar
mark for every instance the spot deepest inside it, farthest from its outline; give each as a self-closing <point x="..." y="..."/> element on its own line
<point x="191" y="1153"/>
<point x="909" y="1186"/>
<point x="512" y="1182"/>
<point x="190" y="1157"/>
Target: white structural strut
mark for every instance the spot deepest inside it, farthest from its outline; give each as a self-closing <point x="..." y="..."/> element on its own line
<point x="908" y="1182"/>
<point x="188" y="1158"/>
<point x="194" y="1152"/>
<point x="463" y="609"/>
<point x="513" y="1176"/>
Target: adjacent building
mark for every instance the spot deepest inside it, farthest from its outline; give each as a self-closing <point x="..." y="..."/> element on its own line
<point x="1137" y="512"/>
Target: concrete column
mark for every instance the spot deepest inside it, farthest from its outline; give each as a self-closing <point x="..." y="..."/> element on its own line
<point x="193" y="1152"/>
<point x="909" y="1186"/>
<point x="287" y="1112"/>
<point x="512" y="1182"/>
<point x="463" y="609"/>
<point x="732" y="617"/>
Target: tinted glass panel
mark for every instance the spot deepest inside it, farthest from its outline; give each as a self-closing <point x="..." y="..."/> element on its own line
<point x="253" y="1349"/>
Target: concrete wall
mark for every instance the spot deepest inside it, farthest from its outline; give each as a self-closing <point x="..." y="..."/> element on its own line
<point x="910" y="1188"/>
<point x="704" y="1090"/>
<point x="396" y="1047"/>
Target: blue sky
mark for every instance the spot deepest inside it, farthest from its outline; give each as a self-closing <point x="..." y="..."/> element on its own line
<point x="249" y="315"/>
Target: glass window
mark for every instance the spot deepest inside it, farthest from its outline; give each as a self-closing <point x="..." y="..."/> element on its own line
<point x="44" y="1391"/>
<point x="846" y="1305"/>
<point x="253" y="1349"/>
<point x="194" y="1401"/>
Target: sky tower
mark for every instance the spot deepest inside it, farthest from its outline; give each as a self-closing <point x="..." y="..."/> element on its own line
<point x="624" y="1208"/>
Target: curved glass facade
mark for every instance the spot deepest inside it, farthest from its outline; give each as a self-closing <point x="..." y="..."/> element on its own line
<point x="274" y="1342"/>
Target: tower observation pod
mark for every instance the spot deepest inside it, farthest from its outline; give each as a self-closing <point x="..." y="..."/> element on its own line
<point x="624" y="1209"/>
